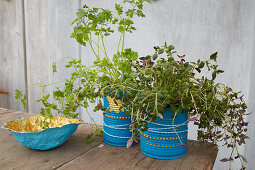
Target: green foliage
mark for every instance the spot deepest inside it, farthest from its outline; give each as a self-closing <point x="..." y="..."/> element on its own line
<point x="99" y="132"/>
<point x="44" y="124"/>
<point x="90" y="137"/>
<point x="54" y="67"/>
<point x="101" y="22"/>
<point x="22" y="95"/>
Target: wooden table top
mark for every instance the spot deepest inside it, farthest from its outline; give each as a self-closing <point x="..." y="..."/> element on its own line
<point x="76" y="154"/>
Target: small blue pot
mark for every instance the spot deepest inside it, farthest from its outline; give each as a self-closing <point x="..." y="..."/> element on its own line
<point x="116" y="127"/>
<point x="166" y="139"/>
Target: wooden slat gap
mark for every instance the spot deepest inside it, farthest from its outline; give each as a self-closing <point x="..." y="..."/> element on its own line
<point x="68" y="161"/>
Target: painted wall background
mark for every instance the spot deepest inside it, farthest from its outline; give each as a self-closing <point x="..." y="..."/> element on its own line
<point x="35" y="33"/>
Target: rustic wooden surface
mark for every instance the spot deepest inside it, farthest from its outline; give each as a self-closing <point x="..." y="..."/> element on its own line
<point x="76" y="154"/>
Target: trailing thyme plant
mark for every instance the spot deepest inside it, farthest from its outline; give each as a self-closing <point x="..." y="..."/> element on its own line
<point x="172" y="82"/>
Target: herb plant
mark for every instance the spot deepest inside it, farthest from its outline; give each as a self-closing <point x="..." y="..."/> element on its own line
<point x="88" y="84"/>
<point x="171" y="82"/>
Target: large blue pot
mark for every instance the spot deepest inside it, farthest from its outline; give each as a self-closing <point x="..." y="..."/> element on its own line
<point x="165" y="138"/>
<point x="116" y="127"/>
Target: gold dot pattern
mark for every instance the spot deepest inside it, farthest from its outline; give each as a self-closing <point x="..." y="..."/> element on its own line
<point x="158" y="145"/>
<point x="115" y="117"/>
<point x="147" y="136"/>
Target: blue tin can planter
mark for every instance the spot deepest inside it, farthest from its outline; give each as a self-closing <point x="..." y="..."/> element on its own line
<point x="166" y="139"/>
<point x="116" y="127"/>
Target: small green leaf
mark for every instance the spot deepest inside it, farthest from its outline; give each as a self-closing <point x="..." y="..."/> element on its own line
<point x="99" y="132"/>
<point x="214" y="74"/>
<point x="154" y="56"/>
<point x="214" y="56"/>
<point x="160" y="51"/>
<point x="54" y="68"/>
<point x="170" y="47"/>
<point x="90" y="138"/>
<point x="220" y="71"/>
<point x="201" y="65"/>
<point x="188" y="68"/>
<point x="133" y="75"/>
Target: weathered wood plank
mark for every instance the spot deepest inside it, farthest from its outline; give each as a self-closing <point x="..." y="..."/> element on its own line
<point x="5" y="111"/>
<point x="15" y="156"/>
<point x="38" y="67"/>
<point x="11" y="53"/>
<point x="62" y="13"/>
<point x="199" y="156"/>
<point x="48" y="40"/>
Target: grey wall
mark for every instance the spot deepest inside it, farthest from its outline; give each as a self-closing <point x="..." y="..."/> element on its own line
<point x="36" y="32"/>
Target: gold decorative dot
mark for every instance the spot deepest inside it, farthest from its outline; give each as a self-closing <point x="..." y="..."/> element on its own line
<point x="160" y="138"/>
<point x="158" y="145"/>
<point x="166" y="138"/>
<point x="154" y="145"/>
<point x="162" y="145"/>
<point x="163" y="138"/>
<point x="166" y="146"/>
<point x="170" y="138"/>
<point x="157" y="138"/>
<point x="150" y="144"/>
<point x="153" y="137"/>
<point x="169" y="145"/>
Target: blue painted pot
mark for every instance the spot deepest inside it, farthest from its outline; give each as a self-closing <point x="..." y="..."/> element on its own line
<point x="116" y="130"/>
<point x="166" y="139"/>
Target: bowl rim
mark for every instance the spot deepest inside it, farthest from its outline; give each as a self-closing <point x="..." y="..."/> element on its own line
<point x="36" y="132"/>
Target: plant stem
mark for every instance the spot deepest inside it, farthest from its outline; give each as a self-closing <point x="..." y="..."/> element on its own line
<point x="98" y="58"/>
<point x="102" y="39"/>
<point x="119" y="42"/>
<point x="123" y="41"/>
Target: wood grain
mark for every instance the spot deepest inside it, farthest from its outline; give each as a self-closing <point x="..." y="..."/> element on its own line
<point x="15" y="156"/>
<point x="109" y="157"/>
<point x="11" y="53"/>
<point x="5" y="111"/>
<point x="37" y="49"/>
